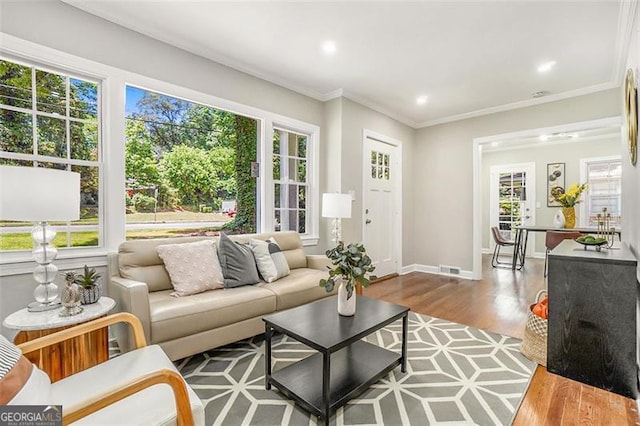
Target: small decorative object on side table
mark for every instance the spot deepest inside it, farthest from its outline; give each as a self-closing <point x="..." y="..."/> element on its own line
<point x="89" y="281"/>
<point x="351" y="265"/>
<point x="70" y="356"/>
<point x="70" y="298"/>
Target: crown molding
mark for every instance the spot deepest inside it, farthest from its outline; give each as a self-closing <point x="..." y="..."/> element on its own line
<point x="378" y="108"/>
<point x="338" y="93"/>
<point x="626" y="20"/>
<point x="522" y="104"/>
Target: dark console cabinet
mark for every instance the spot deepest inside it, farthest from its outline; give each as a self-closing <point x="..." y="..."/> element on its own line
<point x="592" y="317"/>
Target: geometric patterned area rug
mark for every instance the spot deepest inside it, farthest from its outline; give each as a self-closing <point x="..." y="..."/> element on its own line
<point x="456" y="375"/>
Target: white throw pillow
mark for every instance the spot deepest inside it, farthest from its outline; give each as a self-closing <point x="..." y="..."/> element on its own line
<point x="193" y="267"/>
<point x="270" y="260"/>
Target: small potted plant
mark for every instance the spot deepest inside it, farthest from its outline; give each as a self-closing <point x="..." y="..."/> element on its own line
<point x="91" y="290"/>
<point x="350" y="268"/>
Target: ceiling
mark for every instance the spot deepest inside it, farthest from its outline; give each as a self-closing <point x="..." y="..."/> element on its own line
<point x="468" y="58"/>
<point x="610" y="131"/>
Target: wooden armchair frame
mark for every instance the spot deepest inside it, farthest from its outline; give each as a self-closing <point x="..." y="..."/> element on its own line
<point x="165" y="376"/>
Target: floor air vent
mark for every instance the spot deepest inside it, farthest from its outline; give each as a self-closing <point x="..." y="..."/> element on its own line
<point x="449" y="270"/>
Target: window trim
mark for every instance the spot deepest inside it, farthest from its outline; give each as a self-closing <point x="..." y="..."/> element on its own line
<point x="69" y="72"/>
<point x="308" y="184"/>
<point x="584" y="162"/>
<point x="112" y="104"/>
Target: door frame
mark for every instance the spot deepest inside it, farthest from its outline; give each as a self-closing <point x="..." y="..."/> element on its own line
<point x="478" y="143"/>
<point x="397" y="196"/>
<point x="531" y="189"/>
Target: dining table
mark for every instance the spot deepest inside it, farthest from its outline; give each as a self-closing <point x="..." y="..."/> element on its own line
<point x="522" y="237"/>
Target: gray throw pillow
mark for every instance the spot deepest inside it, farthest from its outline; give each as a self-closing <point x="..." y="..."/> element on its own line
<point x="237" y="262"/>
<point x="271" y="261"/>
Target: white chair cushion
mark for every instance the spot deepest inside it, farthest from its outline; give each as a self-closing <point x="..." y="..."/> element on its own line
<point x="36" y="390"/>
<point x="152" y="406"/>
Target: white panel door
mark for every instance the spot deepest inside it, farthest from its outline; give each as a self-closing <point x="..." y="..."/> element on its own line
<point x="380" y="209"/>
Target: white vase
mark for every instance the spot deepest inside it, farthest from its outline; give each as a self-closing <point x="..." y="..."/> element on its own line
<point x="558" y="220"/>
<point x="346" y="307"/>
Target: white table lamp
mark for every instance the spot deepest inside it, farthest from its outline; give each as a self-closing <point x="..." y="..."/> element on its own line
<point x="336" y="206"/>
<point x="35" y="194"/>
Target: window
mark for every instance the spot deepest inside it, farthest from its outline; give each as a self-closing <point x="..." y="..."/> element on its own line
<point x="187" y="167"/>
<point x="512" y="190"/>
<point x="52" y="119"/>
<point x="604" y="189"/>
<point x="291" y="181"/>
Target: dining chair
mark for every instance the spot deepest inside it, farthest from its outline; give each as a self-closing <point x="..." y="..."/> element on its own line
<point x="552" y="239"/>
<point x="500" y="242"/>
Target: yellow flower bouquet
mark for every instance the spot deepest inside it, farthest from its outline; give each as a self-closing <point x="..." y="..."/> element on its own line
<point x="571" y="196"/>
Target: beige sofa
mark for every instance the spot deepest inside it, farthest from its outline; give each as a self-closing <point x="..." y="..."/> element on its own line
<point x="185" y="326"/>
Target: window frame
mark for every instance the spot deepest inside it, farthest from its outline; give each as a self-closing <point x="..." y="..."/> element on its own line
<point x="112" y="177"/>
<point x="584" y="164"/>
<point x="11" y="256"/>
<point x="311" y="237"/>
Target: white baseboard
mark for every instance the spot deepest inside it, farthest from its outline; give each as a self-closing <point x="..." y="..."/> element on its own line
<point x="429" y="269"/>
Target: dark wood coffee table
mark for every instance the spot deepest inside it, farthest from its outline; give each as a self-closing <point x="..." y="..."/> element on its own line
<point x="345" y="365"/>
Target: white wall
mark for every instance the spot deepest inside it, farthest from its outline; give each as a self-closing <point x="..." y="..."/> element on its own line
<point x="356" y="118"/>
<point x="631" y="174"/>
<point x="442" y="163"/>
<point x="569" y="153"/>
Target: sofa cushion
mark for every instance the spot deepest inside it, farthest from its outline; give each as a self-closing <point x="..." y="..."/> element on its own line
<point x="172" y="317"/>
<point x="301" y="286"/>
<point x="193" y="267"/>
<point x="138" y="260"/>
<point x="270" y="260"/>
<point x="289" y="242"/>
<point x="152" y="406"/>
<point x="237" y="262"/>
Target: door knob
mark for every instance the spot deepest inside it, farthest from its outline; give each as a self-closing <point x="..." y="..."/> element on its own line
<point x="368" y="221"/>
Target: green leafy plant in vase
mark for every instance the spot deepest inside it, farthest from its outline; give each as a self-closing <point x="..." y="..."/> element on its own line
<point x="89" y="281"/>
<point x="351" y="265"/>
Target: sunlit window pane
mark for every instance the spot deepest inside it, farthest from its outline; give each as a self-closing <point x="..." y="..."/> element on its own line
<point x="16" y="132"/>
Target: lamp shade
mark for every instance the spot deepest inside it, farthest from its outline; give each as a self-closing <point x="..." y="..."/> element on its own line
<point x="36" y="194"/>
<point x="336" y="205"/>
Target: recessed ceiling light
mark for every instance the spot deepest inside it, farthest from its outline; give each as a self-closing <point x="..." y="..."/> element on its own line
<point x="421" y="100"/>
<point x="544" y="138"/>
<point x="329" y="47"/>
<point x="546" y="66"/>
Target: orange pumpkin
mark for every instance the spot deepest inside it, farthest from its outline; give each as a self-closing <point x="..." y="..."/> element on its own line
<point x="541" y="308"/>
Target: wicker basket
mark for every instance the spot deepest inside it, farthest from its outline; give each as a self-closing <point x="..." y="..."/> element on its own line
<point x="534" y="344"/>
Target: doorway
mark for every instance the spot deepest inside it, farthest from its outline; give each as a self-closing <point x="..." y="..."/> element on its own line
<point x="381" y="203"/>
<point x="585" y="131"/>
<point x="512" y="199"/>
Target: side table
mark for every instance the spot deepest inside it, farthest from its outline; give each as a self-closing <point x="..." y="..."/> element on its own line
<point x="70" y="356"/>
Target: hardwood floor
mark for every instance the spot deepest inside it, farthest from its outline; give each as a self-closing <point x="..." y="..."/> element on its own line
<point x="499" y="303"/>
